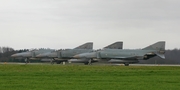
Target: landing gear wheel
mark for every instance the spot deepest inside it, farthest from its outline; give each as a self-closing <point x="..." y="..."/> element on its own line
<point x="26" y="60"/>
<point x="126" y="64"/>
<point x="86" y="63"/>
<point x="89" y="63"/>
<point x="52" y="62"/>
<point x="58" y="62"/>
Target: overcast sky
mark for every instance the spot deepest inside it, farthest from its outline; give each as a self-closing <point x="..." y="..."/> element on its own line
<point x="68" y="23"/>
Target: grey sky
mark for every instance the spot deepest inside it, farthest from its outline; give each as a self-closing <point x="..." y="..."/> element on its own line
<point x="69" y="23"/>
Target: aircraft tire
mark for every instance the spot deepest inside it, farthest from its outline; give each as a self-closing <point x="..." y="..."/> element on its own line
<point x="58" y="62"/>
<point x="126" y="64"/>
<point x="52" y="62"/>
<point x="26" y="61"/>
<point x="89" y="63"/>
<point x="86" y="63"/>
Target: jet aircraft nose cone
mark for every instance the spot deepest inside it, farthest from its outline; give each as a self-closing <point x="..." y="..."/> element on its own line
<point x="14" y="55"/>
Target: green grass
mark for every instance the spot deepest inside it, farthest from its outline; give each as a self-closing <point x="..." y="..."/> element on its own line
<point x="80" y="77"/>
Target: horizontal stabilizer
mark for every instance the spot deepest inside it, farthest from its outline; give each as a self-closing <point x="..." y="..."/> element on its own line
<point x="161" y="55"/>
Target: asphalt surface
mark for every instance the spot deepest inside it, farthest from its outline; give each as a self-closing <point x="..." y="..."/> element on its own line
<point x="48" y="63"/>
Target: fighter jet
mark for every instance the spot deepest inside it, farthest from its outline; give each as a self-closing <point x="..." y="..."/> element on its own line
<point x="127" y="56"/>
<point x="66" y="54"/>
<point x="88" y="61"/>
<point x="30" y="54"/>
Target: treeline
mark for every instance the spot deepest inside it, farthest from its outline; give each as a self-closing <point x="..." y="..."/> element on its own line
<point x="6" y="52"/>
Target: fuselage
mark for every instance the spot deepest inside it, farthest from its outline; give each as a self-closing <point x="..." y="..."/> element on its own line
<point x="65" y="54"/>
<point x="23" y="55"/>
<point x="30" y="54"/>
<point x="125" y="54"/>
<point x="119" y="54"/>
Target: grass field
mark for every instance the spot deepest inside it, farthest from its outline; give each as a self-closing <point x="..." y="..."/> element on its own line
<point x="80" y="77"/>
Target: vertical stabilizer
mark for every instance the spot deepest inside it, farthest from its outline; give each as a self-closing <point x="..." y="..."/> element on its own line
<point x="116" y="45"/>
<point x="88" y="45"/>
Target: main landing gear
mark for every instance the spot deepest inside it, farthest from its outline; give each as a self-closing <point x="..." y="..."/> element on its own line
<point x="126" y="64"/>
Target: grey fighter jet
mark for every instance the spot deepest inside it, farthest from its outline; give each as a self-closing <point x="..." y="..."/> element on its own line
<point x="31" y="54"/>
<point x="127" y="56"/>
<point x="88" y="61"/>
<point x="66" y="54"/>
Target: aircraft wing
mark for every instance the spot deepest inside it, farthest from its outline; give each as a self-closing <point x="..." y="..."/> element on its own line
<point x="127" y="58"/>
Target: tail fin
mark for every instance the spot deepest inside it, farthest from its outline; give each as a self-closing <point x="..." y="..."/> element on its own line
<point x="159" y="47"/>
<point x="116" y="45"/>
<point x="88" y="45"/>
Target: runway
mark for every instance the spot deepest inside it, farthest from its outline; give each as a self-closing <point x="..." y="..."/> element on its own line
<point x="94" y="64"/>
<point x="154" y="64"/>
